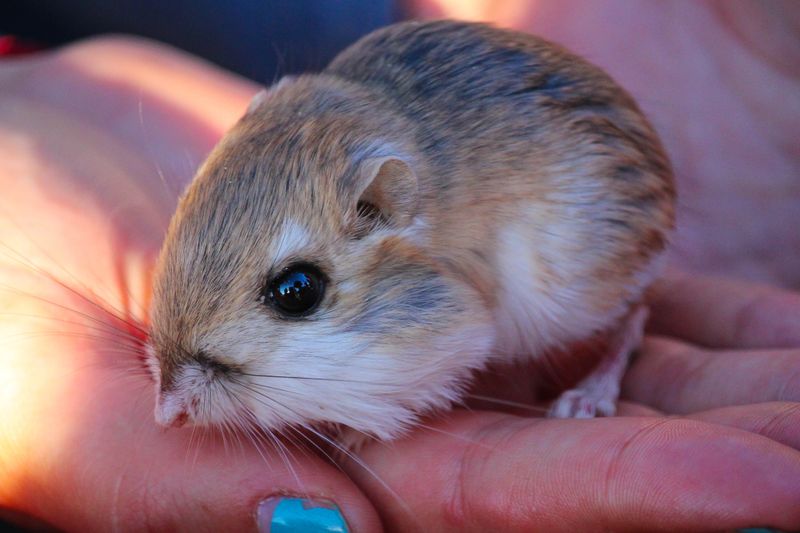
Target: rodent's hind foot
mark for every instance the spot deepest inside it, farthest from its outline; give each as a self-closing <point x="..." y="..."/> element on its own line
<point x="582" y="403"/>
<point x="597" y="394"/>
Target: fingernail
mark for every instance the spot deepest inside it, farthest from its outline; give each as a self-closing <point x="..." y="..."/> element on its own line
<point x="759" y="530"/>
<point x="298" y="515"/>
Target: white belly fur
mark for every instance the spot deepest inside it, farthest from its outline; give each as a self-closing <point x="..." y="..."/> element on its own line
<point x="547" y="288"/>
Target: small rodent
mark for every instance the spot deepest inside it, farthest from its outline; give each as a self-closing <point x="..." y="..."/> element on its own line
<point x="443" y="195"/>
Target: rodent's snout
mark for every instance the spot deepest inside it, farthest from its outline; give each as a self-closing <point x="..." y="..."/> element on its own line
<point x="177" y="421"/>
<point x="171" y="411"/>
<point x="184" y="385"/>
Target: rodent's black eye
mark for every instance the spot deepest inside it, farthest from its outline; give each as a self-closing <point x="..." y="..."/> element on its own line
<point x="297" y="291"/>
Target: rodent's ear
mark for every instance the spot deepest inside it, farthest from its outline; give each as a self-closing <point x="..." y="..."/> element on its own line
<point x="388" y="186"/>
<point x="262" y="95"/>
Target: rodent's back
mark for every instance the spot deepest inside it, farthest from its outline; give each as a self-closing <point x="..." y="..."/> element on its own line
<point x="462" y="82"/>
<point x="526" y="141"/>
<point x="485" y="99"/>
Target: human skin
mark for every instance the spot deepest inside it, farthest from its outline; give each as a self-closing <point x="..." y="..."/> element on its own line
<point x="86" y="136"/>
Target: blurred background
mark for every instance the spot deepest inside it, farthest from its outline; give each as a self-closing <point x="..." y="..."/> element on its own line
<point x="289" y="35"/>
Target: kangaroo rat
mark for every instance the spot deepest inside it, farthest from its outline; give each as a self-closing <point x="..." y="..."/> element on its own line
<point x="443" y="195"/>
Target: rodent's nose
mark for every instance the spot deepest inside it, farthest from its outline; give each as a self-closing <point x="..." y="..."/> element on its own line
<point x="170" y="411"/>
<point x="177" y="421"/>
<point x="180" y="420"/>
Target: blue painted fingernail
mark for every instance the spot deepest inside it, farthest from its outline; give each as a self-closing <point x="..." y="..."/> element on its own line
<point x="298" y="515"/>
<point x="759" y="530"/>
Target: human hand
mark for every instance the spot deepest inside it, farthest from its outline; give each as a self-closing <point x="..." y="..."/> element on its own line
<point x="708" y="438"/>
<point x="76" y="404"/>
<point x="721" y="83"/>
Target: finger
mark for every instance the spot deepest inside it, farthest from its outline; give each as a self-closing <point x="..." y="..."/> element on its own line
<point x="164" y="485"/>
<point x="87" y="456"/>
<point x="494" y="472"/>
<point x="778" y="421"/>
<point x="675" y="377"/>
<point x="179" y="80"/>
<point x="636" y="409"/>
<point x="721" y="313"/>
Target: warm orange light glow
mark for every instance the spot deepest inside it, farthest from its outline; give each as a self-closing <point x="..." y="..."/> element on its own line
<point x="192" y="87"/>
<point x="502" y="12"/>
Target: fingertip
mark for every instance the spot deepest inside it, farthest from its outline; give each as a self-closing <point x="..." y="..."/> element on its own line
<point x="281" y="514"/>
<point x="216" y="489"/>
<point x="307" y="495"/>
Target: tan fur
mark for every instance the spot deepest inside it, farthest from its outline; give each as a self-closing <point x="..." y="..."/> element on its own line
<point x="515" y="146"/>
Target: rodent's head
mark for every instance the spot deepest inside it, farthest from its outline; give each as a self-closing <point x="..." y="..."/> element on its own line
<point x="292" y="287"/>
